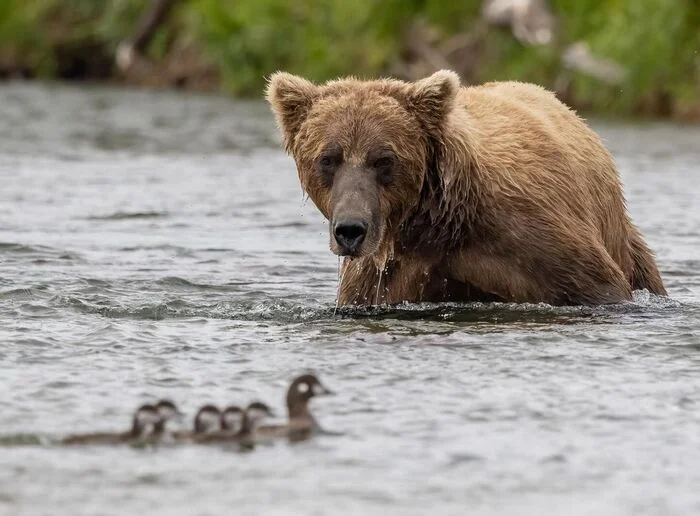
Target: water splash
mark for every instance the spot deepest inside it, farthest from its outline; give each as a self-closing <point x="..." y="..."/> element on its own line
<point x="379" y="284"/>
<point x="337" y="292"/>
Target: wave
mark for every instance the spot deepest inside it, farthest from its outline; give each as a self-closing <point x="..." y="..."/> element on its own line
<point x="286" y="311"/>
<point x="122" y="215"/>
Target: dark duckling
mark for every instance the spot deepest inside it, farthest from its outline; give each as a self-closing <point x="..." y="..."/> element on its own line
<point x="206" y="421"/>
<point x="144" y="421"/>
<point x="254" y="414"/>
<point x="232" y="419"/>
<point x="168" y="411"/>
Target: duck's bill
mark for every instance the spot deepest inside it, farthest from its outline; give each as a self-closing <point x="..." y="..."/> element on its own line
<point x="320" y="390"/>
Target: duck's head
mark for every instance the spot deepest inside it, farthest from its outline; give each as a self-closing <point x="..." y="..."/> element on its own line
<point x="145" y="417"/>
<point x="168" y="411"/>
<point x="306" y="387"/>
<point x="301" y="390"/>
<point x="207" y="419"/>
<point x="256" y="412"/>
<point x="232" y="418"/>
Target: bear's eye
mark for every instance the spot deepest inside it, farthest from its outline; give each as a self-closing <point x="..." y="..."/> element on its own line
<point x="383" y="162"/>
<point x="383" y="165"/>
<point x="329" y="161"/>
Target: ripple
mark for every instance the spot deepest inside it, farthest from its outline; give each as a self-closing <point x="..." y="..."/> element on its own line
<point x="38" y="254"/>
<point x="9" y="247"/>
<point x="182" y="283"/>
<point x="14" y="440"/>
<point x="137" y="215"/>
<point x="285" y="312"/>
<point x="17" y="293"/>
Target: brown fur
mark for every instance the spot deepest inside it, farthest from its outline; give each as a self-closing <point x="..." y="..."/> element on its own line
<point x="497" y="192"/>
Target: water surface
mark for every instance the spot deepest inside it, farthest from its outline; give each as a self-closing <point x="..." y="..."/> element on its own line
<point x="157" y="244"/>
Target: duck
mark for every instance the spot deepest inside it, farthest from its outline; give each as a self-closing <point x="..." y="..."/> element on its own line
<point x="254" y="414"/>
<point x="144" y="422"/>
<point x="206" y="421"/>
<point x="232" y="419"/>
<point x="301" y="424"/>
<point x="168" y="411"/>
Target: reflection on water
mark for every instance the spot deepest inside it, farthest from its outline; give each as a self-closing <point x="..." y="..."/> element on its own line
<point x="158" y="245"/>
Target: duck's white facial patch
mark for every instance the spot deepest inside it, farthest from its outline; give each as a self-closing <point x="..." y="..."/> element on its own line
<point x="233" y="419"/>
<point x="166" y="412"/>
<point x="303" y="387"/>
<point x="209" y="418"/>
<point x="148" y="417"/>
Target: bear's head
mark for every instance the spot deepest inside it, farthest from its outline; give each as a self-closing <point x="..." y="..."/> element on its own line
<point x="362" y="149"/>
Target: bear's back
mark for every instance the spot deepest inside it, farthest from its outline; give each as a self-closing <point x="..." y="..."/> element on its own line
<point x="524" y="107"/>
<point x="529" y="141"/>
<point x="515" y="122"/>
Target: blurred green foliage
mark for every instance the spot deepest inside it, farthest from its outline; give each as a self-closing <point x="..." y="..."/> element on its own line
<point x="33" y="33"/>
<point x="657" y="41"/>
<point x="317" y="38"/>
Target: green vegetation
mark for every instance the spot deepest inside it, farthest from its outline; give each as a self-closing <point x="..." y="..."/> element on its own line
<point x="657" y="42"/>
<point x="35" y="34"/>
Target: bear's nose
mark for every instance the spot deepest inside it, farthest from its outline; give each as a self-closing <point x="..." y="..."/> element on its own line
<point x="349" y="234"/>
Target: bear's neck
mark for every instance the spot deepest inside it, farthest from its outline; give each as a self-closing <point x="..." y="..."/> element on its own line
<point x="445" y="218"/>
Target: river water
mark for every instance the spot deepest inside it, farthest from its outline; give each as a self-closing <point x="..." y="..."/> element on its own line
<point x="158" y="245"/>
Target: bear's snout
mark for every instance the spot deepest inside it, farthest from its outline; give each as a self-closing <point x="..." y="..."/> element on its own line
<point x="349" y="234"/>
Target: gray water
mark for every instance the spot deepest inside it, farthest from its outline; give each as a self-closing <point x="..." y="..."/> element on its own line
<point x="158" y="245"/>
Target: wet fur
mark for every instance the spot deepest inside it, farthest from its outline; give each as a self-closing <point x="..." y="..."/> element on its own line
<point x="502" y="193"/>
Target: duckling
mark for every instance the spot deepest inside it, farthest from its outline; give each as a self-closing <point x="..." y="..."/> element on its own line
<point x="167" y="410"/>
<point x="206" y="421"/>
<point x="232" y="419"/>
<point x="301" y="423"/>
<point x="144" y="421"/>
<point x="253" y="415"/>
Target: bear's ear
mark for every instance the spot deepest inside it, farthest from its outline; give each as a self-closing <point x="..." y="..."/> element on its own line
<point x="433" y="97"/>
<point x="291" y="98"/>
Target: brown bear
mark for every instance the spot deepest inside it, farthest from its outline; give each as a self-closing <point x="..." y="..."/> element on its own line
<point x="437" y="192"/>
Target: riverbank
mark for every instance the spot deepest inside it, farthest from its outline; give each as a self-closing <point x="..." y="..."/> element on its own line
<point x="600" y="57"/>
